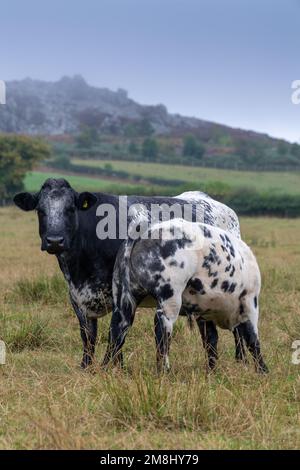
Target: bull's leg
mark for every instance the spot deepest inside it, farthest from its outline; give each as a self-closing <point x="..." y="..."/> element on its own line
<point x="248" y="332"/>
<point x="240" y="353"/>
<point x="209" y="336"/>
<point x="88" y="333"/>
<point x="120" y="323"/>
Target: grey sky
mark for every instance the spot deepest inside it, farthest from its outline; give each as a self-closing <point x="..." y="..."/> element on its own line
<point x="229" y="61"/>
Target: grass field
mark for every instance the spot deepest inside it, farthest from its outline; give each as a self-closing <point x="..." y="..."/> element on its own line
<point x="279" y="182"/>
<point x="46" y="401"/>
<point x="267" y="182"/>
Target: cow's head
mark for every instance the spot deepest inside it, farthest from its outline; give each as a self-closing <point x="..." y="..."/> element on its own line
<point x="57" y="205"/>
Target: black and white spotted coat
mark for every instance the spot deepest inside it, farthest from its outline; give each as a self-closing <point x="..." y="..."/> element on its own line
<point x="192" y="266"/>
<point x="95" y="302"/>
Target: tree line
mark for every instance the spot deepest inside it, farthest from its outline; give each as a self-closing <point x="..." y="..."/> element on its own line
<point x="216" y="151"/>
<point x="20" y="154"/>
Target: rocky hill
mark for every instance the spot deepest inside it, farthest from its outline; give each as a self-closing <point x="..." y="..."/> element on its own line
<point x="52" y="108"/>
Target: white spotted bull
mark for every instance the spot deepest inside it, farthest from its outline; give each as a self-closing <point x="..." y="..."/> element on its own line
<point x="201" y="269"/>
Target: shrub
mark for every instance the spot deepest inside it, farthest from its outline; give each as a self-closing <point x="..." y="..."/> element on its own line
<point x="192" y="147"/>
<point x="150" y="149"/>
<point x="18" y="154"/>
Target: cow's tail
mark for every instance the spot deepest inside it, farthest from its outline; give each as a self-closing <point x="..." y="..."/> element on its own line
<point x="129" y="244"/>
<point x="190" y="321"/>
<point x="128" y="268"/>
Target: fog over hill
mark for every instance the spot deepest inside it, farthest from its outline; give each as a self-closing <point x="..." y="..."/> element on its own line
<point x="38" y="107"/>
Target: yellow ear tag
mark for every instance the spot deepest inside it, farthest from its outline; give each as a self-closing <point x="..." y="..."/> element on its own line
<point x="85" y="205"/>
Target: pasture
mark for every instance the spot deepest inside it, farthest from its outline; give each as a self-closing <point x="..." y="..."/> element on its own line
<point x="279" y="182"/>
<point x="46" y="401"/>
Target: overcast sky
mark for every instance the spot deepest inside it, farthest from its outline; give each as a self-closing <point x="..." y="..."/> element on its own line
<point x="228" y="61"/>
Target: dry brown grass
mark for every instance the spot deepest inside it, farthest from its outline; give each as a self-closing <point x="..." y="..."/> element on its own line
<point x="47" y="402"/>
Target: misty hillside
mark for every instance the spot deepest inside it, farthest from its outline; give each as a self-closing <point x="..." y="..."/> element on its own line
<point x="63" y="107"/>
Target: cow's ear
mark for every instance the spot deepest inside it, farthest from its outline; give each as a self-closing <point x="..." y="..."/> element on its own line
<point x="26" y="201"/>
<point x="85" y="201"/>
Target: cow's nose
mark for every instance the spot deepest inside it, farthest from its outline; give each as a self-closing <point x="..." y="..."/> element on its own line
<point x="55" y="241"/>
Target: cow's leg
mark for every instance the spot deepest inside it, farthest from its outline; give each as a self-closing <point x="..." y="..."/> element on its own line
<point x="165" y="317"/>
<point x="209" y="336"/>
<point x="88" y="333"/>
<point x="162" y="340"/>
<point x="121" y="321"/>
<point x="240" y="353"/>
<point x="247" y="330"/>
<point x="89" y="338"/>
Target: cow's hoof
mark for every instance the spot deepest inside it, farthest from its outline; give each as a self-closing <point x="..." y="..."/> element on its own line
<point x="212" y="363"/>
<point x="85" y="363"/>
<point x="242" y="359"/>
<point x="262" y="369"/>
<point x="163" y="371"/>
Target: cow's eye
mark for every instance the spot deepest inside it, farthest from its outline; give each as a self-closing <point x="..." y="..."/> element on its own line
<point x="41" y="213"/>
<point x="71" y="210"/>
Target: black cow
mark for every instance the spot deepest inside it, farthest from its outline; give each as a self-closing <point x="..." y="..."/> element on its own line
<point x="67" y="227"/>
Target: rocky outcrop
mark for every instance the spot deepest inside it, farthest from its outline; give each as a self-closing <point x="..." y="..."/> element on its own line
<point x="38" y="107"/>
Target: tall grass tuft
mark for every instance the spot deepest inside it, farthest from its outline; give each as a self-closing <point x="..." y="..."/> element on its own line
<point x="29" y="333"/>
<point x="146" y="400"/>
<point x="50" y="290"/>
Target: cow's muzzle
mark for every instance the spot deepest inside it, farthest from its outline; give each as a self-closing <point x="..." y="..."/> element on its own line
<point x="55" y="245"/>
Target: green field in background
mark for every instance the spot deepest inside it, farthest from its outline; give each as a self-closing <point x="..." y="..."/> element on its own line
<point x="284" y="182"/>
